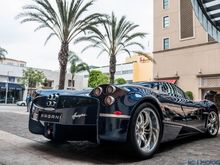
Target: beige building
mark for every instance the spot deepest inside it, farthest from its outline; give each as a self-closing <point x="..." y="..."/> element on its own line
<point x="142" y="68"/>
<point x="183" y="51"/>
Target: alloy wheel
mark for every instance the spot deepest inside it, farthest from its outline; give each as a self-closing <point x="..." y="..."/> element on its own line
<point x="212" y="123"/>
<point x="147" y="130"/>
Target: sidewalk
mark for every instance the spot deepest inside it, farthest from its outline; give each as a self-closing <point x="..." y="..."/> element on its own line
<point x="18" y="150"/>
<point x="3" y="104"/>
<point x="13" y="109"/>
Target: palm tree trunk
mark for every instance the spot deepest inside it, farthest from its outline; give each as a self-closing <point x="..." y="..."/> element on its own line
<point x="112" y="68"/>
<point x="63" y="58"/>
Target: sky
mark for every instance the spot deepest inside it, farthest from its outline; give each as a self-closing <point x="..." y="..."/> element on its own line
<point x="22" y="43"/>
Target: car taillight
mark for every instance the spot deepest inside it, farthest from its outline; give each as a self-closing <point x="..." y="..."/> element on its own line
<point x="118" y="113"/>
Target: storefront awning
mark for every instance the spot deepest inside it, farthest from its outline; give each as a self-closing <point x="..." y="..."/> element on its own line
<point x="11" y="86"/>
<point x="172" y="81"/>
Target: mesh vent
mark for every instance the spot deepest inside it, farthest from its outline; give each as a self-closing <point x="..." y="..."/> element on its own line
<point x="211" y="82"/>
<point x="186" y="19"/>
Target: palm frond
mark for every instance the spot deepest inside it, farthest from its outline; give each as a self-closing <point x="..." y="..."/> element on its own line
<point x="135" y="44"/>
<point x="101" y="52"/>
<point x="83" y="9"/>
<point x="127" y="51"/>
<point x="65" y="19"/>
<point x="91" y="46"/>
<point x="3" y="52"/>
<point x="146" y="55"/>
<point x="118" y="36"/>
<point x="50" y="36"/>
<point x="82" y="67"/>
<point x="73" y="58"/>
<point x="135" y="35"/>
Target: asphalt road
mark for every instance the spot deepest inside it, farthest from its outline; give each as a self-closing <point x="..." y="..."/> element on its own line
<point x="19" y="146"/>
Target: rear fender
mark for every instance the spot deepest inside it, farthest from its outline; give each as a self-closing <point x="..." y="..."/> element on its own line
<point x="152" y="100"/>
<point x="34" y="126"/>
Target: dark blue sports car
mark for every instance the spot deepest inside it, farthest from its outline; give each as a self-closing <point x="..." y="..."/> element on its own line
<point x="142" y="115"/>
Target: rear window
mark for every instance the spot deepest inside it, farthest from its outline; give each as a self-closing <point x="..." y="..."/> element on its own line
<point x="150" y="85"/>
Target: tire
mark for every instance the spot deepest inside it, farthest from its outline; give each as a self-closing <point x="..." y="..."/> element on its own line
<point x="22" y="104"/>
<point x="145" y="131"/>
<point x="212" y="124"/>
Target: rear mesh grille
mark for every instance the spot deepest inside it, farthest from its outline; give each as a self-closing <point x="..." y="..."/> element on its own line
<point x="186" y="19"/>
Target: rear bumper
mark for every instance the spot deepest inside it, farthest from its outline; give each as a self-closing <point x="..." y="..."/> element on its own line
<point x="113" y="128"/>
<point x="80" y="123"/>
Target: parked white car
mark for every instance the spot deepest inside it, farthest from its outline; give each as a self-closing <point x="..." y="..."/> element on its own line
<point x="21" y="103"/>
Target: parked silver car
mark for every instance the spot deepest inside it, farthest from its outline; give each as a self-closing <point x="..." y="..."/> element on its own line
<point x="21" y="103"/>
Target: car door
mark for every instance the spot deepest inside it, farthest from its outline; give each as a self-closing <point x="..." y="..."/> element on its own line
<point x="193" y="110"/>
<point x="173" y="111"/>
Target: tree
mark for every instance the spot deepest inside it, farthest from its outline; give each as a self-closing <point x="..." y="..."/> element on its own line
<point x="2" y="53"/>
<point x="119" y="36"/>
<point x="97" y="78"/>
<point x="76" y="65"/>
<point x="120" y="81"/>
<point x="31" y="77"/>
<point x="65" y="20"/>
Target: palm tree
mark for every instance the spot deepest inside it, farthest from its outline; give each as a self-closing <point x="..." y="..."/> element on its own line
<point x="118" y="37"/>
<point x="66" y="21"/>
<point x="2" y="53"/>
<point x="76" y="65"/>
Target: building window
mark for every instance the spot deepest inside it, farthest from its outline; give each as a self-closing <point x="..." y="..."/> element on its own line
<point x="32" y="84"/>
<point x="186" y="19"/>
<point x="47" y="84"/>
<point x="166" y="21"/>
<point x="165" y="4"/>
<point x="118" y="73"/>
<point x="11" y="79"/>
<point x="10" y="63"/>
<point x="127" y="71"/>
<point x="166" y="43"/>
<point x="21" y="65"/>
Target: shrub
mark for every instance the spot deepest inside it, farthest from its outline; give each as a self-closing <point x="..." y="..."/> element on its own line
<point x="120" y="81"/>
<point x="189" y="94"/>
